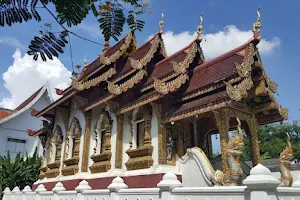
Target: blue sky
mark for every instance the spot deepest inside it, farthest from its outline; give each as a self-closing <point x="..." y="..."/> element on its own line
<point x="280" y="26"/>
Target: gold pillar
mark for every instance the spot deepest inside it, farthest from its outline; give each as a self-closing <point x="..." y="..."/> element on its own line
<point x="222" y="122"/>
<point x="254" y="144"/>
<point x="162" y="136"/>
<point x="86" y="141"/>
<point x="119" y="143"/>
<point x="107" y="137"/>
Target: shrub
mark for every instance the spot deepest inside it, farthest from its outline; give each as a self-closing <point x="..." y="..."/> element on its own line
<point x="20" y="171"/>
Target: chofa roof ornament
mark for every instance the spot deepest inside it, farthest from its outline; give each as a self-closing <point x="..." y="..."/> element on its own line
<point x="161" y="23"/>
<point x="200" y="28"/>
<point x="257" y="24"/>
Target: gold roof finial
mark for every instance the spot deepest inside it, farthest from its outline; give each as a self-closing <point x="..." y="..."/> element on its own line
<point x="200" y="28"/>
<point x="161" y="23"/>
<point x="85" y="62"/>
<point x="257" y="24"/>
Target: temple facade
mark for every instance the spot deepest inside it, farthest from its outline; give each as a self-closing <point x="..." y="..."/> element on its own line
<point x="138" y="113"/>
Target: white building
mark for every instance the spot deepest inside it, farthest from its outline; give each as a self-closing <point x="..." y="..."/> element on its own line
<point x="14" y="125"/>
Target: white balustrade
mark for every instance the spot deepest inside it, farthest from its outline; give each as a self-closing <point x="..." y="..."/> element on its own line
<point x="259" y="185"/>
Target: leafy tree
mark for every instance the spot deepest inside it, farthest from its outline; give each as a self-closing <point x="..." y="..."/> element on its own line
<point x="273" y="140"/>
<point x="20" y="171"/>
<point x="111" y="15"/>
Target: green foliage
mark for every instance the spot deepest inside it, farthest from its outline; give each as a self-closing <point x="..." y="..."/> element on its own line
<point x="20" y="171"/>
<point x="16" y="11"/>
<point x="110" y="15"/>
<point x="48" y="45"/>
<point x="273" y="140"/>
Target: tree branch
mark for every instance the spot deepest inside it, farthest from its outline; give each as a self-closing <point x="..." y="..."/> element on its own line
<point x="70" y="32"/>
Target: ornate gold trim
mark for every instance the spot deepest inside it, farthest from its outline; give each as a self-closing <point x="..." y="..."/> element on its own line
<point x="111" y="59"/>
<point x="93" y="82"/>
<point x="164" y="88"/>
<point x="196" y="111"/>
<point x="239" y="91"/>
<point x="245" y="68"/>
<point x="284" y="113"/>
<point x="183" y="65"/>
<point x="138" y="103"/>
<point x="86" y="141"/>
<point x="118" y="89"/>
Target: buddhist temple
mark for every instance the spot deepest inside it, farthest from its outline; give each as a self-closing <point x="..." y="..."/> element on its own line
<point x="137" y="113"/>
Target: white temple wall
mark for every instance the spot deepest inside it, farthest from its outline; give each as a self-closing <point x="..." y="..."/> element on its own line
<point x="126" y="139"/>
<point x="113" y="141"/>
<point x="79" y="115"/>
<point x="154" y="135"/>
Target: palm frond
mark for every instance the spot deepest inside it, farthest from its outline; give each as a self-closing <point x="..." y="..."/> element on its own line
<point x="133" y="23"/>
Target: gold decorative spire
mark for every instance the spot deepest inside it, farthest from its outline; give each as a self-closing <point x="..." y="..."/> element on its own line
<point x="200" y="28"/>
<point x="257" y="24"/>
<point x="85" y="62"/>
<point x="161" y="23"/>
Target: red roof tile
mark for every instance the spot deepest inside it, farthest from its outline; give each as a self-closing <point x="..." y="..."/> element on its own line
<point x="215" y="70"/>
<point x="5" y="113"/>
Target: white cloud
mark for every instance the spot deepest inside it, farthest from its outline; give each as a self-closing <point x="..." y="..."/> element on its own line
<point x="215" y="44"/>
<point x="13" y="42"/>
<point x="25" y="76"/>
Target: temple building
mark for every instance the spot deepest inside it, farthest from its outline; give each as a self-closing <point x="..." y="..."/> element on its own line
<point x="136" y="112"/>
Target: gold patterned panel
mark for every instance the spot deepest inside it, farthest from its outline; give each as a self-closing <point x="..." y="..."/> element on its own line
<point x="119" y="143"/>
<point x="86" y="141"/>
<point x="93" y="82"/>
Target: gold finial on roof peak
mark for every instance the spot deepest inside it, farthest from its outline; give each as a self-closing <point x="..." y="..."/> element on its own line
<point x="161" y="23"/>
<point x="200" y="27"/>
<point x="257" y="24"/>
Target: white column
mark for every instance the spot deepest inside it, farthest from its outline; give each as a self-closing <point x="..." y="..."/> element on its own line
<point x="83" y="186"/>
<point x="115" y="186"/>
<point x="166" y="185"/>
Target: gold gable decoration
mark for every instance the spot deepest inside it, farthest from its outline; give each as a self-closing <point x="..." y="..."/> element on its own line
<point x="93" y="82"/>
<point x="108" y="60"/>
<point x="139" y="64"/>
<point x="165" y="88"/>
<point x="183" y="66"/>
<point x="118" y="89"/>
<point x="239" y="91"/>
<point x="245" y="68"/>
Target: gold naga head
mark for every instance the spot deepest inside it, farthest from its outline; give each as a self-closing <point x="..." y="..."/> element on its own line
<point x="257" y="24"/>
<point x="237" y="143"/>
<point x="287" y="153"/>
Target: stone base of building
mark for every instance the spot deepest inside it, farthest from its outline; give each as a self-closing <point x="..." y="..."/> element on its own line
<point x="52" y="173"/>
<point x="135" y="181"/>
<point x="100" y="167"/>
<point x="69" y="170"/>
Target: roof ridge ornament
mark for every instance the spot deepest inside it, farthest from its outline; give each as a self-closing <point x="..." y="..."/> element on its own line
<point x="257" y="24"/>
<point x="200" y="28"/>
<point x="161" y="23"/>
<point x="85" y="61"/>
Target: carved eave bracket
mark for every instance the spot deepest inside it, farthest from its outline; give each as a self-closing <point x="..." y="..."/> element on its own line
<point x="166" y="87"/>
<point x="239" y="91"/>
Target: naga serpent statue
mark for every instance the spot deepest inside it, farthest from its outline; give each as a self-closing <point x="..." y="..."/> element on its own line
<point x="286" y="155"/>
<point x="232" y="176"/>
